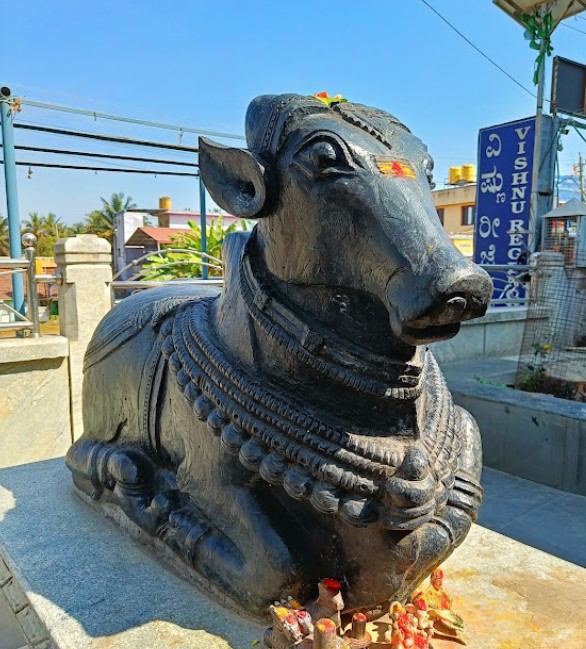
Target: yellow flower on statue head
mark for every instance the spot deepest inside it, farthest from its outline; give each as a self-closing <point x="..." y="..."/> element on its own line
<point x="327" y="100"/>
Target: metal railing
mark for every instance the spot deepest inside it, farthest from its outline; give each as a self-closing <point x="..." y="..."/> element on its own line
<point x="26" y="267"/>
<point x="511" y="284"/>
<point x="137" y="281"/>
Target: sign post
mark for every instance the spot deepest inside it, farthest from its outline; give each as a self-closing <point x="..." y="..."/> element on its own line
<point x="503" y="201"/>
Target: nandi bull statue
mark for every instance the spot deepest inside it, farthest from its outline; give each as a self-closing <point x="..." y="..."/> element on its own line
<point x="295" y="425"/>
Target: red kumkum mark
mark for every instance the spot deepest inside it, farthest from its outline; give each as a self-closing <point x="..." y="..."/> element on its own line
<point x="332" y="584"/>
<point x="326" y="626"/>
<point x="395" y="168"/>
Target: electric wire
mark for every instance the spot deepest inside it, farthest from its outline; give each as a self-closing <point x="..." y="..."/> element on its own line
<point x="154" y="172"/>
<point x="55" y="121"/>
<point x="106" y="138"/>
<point x="579" y="134"/>
<point x="581" y="31"/>
<point x="18" y="85"/>
<point x="494" y="63"/>
<point x="107" y="145"/>
<point x="131" y="120"/>
<point x="62" y="120"/>
<point x="91" y="154"/>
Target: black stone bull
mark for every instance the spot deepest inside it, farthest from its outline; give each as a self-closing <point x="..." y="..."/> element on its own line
<point x="295" y="426"/>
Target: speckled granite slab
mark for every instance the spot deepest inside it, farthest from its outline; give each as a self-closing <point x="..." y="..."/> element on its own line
<point x="91" y="587"/>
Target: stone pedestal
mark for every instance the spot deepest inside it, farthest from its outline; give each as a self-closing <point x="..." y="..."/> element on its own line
<point x="79" y="583"/>
<point x="84" y="263"/>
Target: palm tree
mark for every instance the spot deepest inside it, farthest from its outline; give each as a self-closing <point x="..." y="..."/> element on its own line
<point x="75" y="228"/>
<point x="103" y="222"/>
<point x="4" y="243"/>
<point x="46" y="229"/>
<point x="54" y="225"/>
<point x="36" y="225"/>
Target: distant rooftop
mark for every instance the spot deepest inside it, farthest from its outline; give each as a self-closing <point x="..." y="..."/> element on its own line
<point x="146" y="236"/>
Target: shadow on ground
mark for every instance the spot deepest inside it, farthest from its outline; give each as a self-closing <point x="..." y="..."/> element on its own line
<point x="89" y="579"/>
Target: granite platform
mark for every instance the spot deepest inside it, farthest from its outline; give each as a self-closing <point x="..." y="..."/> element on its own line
<point x="76" y="582"/>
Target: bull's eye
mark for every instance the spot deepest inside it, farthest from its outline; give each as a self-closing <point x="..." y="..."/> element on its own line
<point x="323" y="156"/>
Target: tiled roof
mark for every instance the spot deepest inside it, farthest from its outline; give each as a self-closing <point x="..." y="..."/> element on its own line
<point x="148" y="235"/>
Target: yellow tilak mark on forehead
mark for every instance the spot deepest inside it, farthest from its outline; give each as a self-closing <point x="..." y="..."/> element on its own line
<point x="395" y="168"/>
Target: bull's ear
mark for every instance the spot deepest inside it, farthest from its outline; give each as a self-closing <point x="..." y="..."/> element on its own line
<point x="234" y="178"/>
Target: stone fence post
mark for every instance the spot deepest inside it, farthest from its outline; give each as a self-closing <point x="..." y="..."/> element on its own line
<point x="84" y="264"/>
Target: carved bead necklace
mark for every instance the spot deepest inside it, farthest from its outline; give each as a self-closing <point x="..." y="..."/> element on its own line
<point x="401" y="488"/>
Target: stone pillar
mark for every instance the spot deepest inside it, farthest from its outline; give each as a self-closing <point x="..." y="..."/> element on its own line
<point x="84" y="263"/>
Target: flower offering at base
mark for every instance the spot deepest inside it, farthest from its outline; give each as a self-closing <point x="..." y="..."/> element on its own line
<point x="292" y="624"/>
<point x="410" y="628"/>
<point x="437" y="604"/>
<point x="401" y="626"/>
<point x="305" y="622"/>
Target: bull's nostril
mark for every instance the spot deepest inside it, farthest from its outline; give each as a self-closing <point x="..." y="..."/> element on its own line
<point x="455" y="307"/>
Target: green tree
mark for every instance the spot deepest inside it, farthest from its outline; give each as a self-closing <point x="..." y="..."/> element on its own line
<point x="76" y="228"/>
<point x="4" y="243"/>
<point x="187" y="264"/>
<point x="102" y="222"/>
<point x="54" y="226"/>
<point x="35" y="224"/>
<point x="47" y="229"/>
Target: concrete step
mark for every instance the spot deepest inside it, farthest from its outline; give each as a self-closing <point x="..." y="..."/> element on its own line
<point x="88" y="586"/>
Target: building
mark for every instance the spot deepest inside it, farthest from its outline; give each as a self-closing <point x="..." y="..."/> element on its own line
<point x="133" y="238"/>
<point x="149" y="238"/>
<point x="456" y="209"/>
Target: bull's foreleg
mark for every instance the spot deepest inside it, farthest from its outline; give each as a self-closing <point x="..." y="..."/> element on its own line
<point x="433" y="543"/>
<point x="264" y="568"/>
<point x="268" y="568"/>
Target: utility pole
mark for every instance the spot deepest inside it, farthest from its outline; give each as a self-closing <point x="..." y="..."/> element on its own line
<point x="6" y="117"/>
<point x="533" y="209"/>
<point x="203" y="226"/>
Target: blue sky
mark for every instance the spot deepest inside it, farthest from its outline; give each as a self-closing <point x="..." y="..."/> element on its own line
<point x="200" y="63"/>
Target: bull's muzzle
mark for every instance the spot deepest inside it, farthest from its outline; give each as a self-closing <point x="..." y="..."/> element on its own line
<point x="422" y="312"/>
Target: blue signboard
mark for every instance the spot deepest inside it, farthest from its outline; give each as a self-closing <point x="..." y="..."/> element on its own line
<point x="503" y="198"/>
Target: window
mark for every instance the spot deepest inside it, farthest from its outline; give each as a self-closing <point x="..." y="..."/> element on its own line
<point x="440" y="214"/>
<point x="468" y="214"/>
